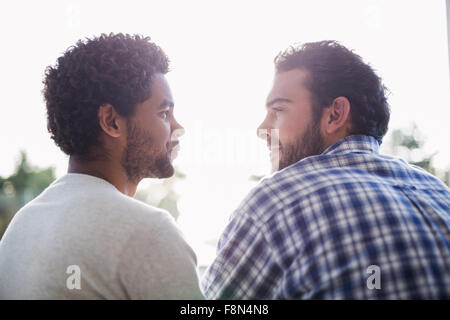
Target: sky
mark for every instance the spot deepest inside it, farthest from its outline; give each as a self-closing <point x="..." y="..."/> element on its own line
<point x="221" y="56"/>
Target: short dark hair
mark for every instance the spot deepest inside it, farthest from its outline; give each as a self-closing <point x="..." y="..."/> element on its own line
<point x="115" y="69"/>
<point x="336" y="71"/>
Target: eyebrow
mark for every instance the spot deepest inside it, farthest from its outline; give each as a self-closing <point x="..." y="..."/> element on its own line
<point x="166" y="103"/>
<point x="277" y="100"/>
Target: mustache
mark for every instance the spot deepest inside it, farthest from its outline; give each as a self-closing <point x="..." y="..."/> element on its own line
<point x="272" y="137"/>
<point x="172" y="144"/>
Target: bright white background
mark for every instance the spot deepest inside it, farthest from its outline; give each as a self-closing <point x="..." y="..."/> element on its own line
<point x="221" y="59"/>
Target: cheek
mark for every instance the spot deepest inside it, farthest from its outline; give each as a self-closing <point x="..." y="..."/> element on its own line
<point x="290" y="131"/>
<point x="163" y="134"/>
<point x="286" y="129"/>
<point x="162" y="128"/>
<point x="158" y="134"/>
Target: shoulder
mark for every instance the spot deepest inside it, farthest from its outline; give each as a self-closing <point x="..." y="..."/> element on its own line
<point x="98" y="206"/>
<point x="156" y="260"/>
<point x="139" y="210"/>
<point x="99" y="201"/>
<point x="298" y="181"/>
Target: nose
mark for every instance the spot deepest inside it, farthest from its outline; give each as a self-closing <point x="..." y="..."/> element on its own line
<point x="177" y="130"/>
<point x="263" y="129"/>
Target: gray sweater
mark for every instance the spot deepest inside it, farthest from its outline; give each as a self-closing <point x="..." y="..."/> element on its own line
<point x="83" y="239"/>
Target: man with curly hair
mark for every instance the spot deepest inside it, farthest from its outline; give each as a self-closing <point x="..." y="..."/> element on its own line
<point x="337" y="220"/>
<point x="110" y="109"/>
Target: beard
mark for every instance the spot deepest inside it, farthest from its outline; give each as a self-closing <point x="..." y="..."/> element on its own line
<point x="309" y="144"/>
<point x="142" y="158"/>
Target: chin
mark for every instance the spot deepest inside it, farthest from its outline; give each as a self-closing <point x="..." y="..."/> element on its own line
<point x="165" y="170"/>
<point x="167" y="173"/>
<point x="160" y="174"/>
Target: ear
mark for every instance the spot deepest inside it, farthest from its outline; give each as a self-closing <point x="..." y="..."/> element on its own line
<point x="337" y="115"/>
<point x="110" y="121"/>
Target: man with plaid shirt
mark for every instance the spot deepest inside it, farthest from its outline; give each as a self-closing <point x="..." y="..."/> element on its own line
<point x="336" y="219"/>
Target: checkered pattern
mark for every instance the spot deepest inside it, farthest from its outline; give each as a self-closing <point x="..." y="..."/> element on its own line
<point x="311" y="231"/>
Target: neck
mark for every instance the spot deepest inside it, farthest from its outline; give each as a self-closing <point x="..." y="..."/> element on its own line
<point x="106" y="169"/>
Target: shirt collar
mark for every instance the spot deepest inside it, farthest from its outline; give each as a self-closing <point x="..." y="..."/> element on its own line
<point x="354" y="143"/>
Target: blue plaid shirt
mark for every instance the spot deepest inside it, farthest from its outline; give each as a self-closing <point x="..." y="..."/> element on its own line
<point x="315" y="229"/>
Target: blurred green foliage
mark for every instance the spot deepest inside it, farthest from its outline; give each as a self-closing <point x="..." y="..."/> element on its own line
<point x="22" y="186"/>
<point x="162" y="193"/>
<point x="409" y="143"/>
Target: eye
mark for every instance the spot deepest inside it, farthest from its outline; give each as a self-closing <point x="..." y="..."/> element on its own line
<point x="277" y="111"/>
<point x="164" y="114"/>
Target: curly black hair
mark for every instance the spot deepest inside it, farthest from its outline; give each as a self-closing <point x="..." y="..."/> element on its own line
<point x="115" y="69"/>
<point x="336" y="71"/>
